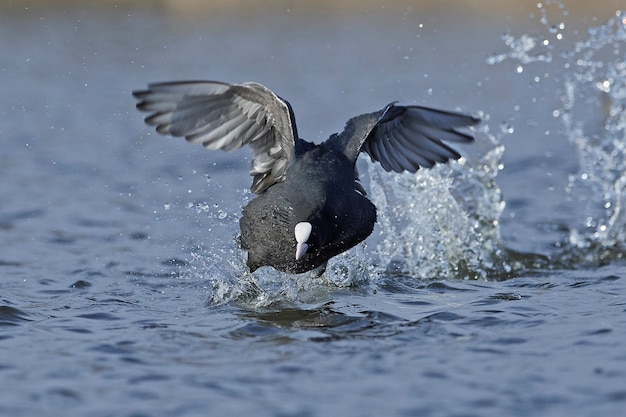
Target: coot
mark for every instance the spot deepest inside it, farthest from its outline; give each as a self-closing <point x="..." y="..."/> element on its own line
<point x="309" y="205"/>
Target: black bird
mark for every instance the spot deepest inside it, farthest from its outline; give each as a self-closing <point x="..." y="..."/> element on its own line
<point x="309" y="205"/>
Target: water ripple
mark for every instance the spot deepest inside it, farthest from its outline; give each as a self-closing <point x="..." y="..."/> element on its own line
<point x="11" y="316"/>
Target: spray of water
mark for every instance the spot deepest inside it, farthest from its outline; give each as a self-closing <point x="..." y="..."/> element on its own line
<point x="596" y="83"/>
<point x="442" y="222"/>
<point x="593" y="114"/>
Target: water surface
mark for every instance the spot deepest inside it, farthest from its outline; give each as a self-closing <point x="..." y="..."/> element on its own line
<point x="495" y="286"/>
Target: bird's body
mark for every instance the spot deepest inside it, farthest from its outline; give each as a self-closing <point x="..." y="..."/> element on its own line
<point x="310" y="206"/>
<point x="341" y="216"/>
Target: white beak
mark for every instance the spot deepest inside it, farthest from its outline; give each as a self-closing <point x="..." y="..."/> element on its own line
<point x="302" y="232"/>
<point x="301" y="250"/>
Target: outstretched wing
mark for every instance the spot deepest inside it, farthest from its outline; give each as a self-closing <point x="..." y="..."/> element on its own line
<point x="405" y="138"/>
<point x="226" y="116"/>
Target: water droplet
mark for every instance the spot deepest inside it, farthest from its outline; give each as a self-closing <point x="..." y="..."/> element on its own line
<point x="506" y="128"/>
<point x="604" y="86"/>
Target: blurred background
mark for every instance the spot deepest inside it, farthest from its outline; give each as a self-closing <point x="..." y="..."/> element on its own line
<point x="193" y="8"/>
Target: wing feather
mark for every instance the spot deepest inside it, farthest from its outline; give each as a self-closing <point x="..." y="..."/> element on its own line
<point x="227" y="117"/>
<point x="405" y="138"/>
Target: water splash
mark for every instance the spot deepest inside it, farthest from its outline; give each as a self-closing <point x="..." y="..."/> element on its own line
<point x="596" y="85"/>
<point x="520" y="49"/>
<point x="442" y="222"/>
<point x="593" y="114"/>
<point x="232" y="282"/>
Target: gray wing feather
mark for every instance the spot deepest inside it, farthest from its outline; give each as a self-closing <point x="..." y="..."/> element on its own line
<point x="405" y="138"/>
<point x="227" y="117"/>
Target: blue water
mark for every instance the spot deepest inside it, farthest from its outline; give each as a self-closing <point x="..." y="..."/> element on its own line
<point x="495" y="286"/>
